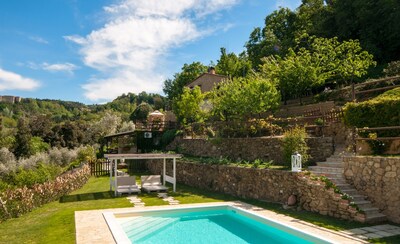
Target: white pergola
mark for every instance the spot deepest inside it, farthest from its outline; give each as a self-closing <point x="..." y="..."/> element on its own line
<point x="166" y="178"/>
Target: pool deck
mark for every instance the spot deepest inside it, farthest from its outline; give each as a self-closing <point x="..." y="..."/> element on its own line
<point x="91" y="226"/>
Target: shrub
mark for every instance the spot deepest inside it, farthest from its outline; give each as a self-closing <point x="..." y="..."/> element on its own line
<point x="38" y="145"/>
<point x="392" y="69"/>
<point x="86" y="154"/>
<point x="62" y="156"/>
<point x="383" y="110"/>
<point x="294" y="140"/>
<point x="33" y="161"/>
<point x="8" y="163"/>
<point x="29" y="177"/>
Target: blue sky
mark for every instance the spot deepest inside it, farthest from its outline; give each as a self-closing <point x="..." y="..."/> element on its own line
<point x="92" y="51"/>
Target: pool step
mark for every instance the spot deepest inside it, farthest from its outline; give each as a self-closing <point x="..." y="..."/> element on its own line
<point x="143" y="226"/>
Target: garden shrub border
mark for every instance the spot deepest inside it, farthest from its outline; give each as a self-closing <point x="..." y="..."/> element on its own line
<point x="15" y="202"/>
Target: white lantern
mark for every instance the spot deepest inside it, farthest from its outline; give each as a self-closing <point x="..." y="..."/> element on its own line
<point x="296" y="162"/>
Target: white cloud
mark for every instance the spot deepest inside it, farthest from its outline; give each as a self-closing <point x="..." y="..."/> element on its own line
<point x="13" y="81"/>
<point x="292" y="4"/>
<point x="57" y="67"/>
<point x="38" y="39"/>
<point x="136" y="38"/>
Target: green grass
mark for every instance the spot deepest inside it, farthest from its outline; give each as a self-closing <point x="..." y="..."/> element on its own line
<point x="387" y="240"/>
<point x="54" y="222"/>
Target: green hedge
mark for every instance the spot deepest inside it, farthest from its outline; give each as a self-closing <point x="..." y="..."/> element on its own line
<point x="384" y="110"/>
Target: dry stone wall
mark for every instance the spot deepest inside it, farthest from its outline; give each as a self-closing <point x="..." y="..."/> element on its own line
<point x="262" y="184"/>
<point x="265" y="148"/>
<point x="379" y="179"/>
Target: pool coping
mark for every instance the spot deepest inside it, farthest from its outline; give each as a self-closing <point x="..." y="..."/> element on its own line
<point x="91" y="226"/>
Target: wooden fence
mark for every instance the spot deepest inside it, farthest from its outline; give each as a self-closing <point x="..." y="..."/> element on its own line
<point x="100" y="168"/>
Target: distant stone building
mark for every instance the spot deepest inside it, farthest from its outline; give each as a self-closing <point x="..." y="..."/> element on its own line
<point x="10" y="99"/>
<point x="207" y="81"/>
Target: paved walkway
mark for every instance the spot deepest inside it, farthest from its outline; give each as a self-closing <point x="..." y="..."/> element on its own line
<point x="91" y="226"/>
<point x="377" y="231"/>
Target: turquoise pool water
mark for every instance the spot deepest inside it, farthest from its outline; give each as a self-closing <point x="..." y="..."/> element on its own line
<point x="206" y="226"/>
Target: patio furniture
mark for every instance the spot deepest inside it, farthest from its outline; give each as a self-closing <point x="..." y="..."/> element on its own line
<point x="152" y="183"/>
<point x="127" y="184"/>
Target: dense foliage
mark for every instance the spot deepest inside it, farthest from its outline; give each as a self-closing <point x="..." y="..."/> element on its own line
<point x="242" y="97"/>
<point x="383" y="110"/>
<point x="188" y="107"/>
<point x="373" y="22"/>
<point x="294" y="140"/>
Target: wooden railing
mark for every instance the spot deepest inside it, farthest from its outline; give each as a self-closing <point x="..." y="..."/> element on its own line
<point x="100" y="168"/>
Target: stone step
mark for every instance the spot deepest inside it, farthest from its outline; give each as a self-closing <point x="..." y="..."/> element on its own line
<point x="345" y="186"/>
<point x="370" y="210"/>
<point x="363" y="204"/>
<point x="337" y="180"/>
<point x="375" y="218"/>
<point x="350" y="191"/>
<point x="325" y="169"/>
<point x="358" y="197"/>
<point x="328" y="175"/>
<point x="329" y="164"/>
<point x="334" y="159"/>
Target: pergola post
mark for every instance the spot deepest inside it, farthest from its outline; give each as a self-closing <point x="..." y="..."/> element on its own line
<point x="110" y="166"/>
<point x="115" y="177"/>
<point x="164" y="170"/>
<point x="174" y="173"/>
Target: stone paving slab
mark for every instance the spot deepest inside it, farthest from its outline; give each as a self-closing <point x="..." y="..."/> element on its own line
<point x="91" y="226"/>
<point x="371" y="232"/>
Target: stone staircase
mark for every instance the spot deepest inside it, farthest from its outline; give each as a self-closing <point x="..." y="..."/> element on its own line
<point x="333" y="170"/>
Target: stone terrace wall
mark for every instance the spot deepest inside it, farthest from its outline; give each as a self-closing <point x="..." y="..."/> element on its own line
<point x="379" y="179"/>
<point x="265" y="148"/>
<point x="262" y="184"/>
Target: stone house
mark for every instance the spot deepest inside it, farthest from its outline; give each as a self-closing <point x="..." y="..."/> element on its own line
<point x="207" y="81"/>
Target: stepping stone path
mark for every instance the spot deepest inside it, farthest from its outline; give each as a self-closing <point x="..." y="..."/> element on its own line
<point x="137" y="202"/>
<point x="168" y="199"/>
<point x="377" y="231"/>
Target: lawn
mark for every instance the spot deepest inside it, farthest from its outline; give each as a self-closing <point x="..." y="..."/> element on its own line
<point x="54" y="222"/>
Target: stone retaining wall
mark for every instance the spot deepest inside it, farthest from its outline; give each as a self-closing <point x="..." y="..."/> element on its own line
<point x="265" y="148"/>
<point x="379" y="179"/>
<point x="262" y="184"/>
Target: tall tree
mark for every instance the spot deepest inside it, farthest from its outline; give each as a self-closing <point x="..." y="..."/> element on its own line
<point x="275" y="38"/>
<point x="22" y="139"/>
<point x="231" y="65"/>
<point x="188" y="108"/>
<point x="141" y="112"/>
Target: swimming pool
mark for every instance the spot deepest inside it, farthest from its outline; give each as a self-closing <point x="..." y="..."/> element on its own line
<point x="211" y="224"/>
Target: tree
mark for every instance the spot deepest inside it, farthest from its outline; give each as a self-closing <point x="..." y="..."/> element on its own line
<point x="242" y="97"/>
<point x="275" y="38"/>
<point x="229" y="64"/>
<point x="23" y="140"/>
<point x="141" y="112"/>
<point x="174" y="87"/>
<point x="40" y="126"/>
<point x="188" y="107"/>
<point x="310" y="67"/>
